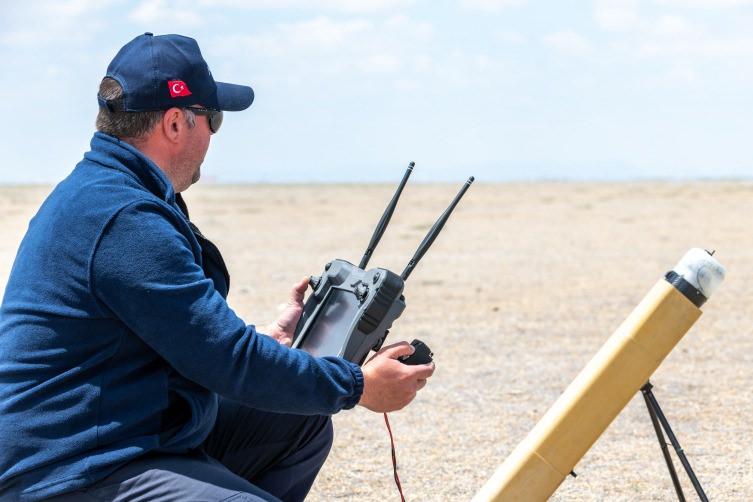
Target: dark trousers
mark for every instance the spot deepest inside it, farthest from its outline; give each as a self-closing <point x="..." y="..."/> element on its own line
<point x="250" y="455"/>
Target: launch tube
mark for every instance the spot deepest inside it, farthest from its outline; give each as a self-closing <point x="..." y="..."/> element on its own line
<point x="604" y="387"/>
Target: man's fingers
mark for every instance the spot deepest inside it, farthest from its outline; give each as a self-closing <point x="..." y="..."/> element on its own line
<point x="299" y="290"/>
<point x="397" y="350"/>
<point x="424" y="371"/>
<point x="420" y="384"/>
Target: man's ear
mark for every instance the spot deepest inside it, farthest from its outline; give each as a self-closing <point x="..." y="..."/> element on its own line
<point x="173" y="123"/>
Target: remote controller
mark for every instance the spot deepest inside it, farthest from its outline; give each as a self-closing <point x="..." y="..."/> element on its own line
<point x="352" y="309"/>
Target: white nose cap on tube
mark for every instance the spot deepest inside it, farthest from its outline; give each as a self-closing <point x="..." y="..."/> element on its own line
<point x="701" y="270"/>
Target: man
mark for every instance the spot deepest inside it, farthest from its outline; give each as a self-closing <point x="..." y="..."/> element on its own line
<point x="123" y="372"/>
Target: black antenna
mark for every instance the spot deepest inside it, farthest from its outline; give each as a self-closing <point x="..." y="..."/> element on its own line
<point x="434" y="231"/>
<point x="382" y="225"/>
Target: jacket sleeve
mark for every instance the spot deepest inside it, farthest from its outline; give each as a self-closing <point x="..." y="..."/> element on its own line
<point x="144" y="271"/>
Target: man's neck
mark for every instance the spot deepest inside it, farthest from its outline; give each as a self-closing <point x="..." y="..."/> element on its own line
<point x="155" y="154"/>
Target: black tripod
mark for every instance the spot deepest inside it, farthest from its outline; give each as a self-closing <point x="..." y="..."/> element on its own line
<point x="660" y="422"/>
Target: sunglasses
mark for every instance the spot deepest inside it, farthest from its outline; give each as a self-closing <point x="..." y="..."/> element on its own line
<point x="213" y="116"/>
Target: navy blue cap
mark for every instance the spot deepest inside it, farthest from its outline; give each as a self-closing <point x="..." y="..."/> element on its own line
<point x="159" y="72"/>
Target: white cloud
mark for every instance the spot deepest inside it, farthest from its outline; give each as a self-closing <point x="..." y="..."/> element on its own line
<point x="353" y="54"/>
<point x="681" y="72"/>
<point x="463" y="69"/>
<point x="358" y="38"/>
<point x="616" y="15"/>
<point x="161" y="11"/>
<point x="321" y="50"/>
<point x="706" y="4"/>
<point x="35" y="24"/>
<point x="684" y="45"/>
<point x="687" y="50"/>
<point x="72" y="9"/>
<point x="568" y="42"/>
<point x="319" y="35"/>
<point x="510" y="37"/>
<point x="380" y="63"/>
<point x="311" y="5"/>
<point x="679" y="38"/>
<point x="192" y="13"/>
<point x="672" y="26"/>
<point x="491" y="5"/>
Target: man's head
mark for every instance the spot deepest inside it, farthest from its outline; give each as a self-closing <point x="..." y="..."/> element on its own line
<point x="160" y="96"/>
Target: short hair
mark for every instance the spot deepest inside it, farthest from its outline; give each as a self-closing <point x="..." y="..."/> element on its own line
<point x="133" y="125"/>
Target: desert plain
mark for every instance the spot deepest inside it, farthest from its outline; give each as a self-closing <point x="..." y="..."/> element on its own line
<point x="521" y="289"/>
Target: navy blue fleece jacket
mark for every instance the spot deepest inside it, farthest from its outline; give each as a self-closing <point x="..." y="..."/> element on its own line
<point x="114" y="342"/>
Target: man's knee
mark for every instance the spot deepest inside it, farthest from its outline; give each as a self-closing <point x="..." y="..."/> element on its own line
<point x="323" y="436"/>
<point x="329" y="433"/>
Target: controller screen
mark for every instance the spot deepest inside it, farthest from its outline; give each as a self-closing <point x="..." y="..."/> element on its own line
<point x="327" y="335"/>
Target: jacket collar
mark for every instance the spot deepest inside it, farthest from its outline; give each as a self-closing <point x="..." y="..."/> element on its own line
<point x="111" y="152"/>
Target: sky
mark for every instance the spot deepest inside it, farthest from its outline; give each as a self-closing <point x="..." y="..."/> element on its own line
<point x="351" y="91"/>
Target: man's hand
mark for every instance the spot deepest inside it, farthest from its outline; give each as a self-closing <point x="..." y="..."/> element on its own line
<point x="388" y="384"/>
<point x="283" y="329"/>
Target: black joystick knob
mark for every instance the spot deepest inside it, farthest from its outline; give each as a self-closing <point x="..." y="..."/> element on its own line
<point x="422" y="354"/>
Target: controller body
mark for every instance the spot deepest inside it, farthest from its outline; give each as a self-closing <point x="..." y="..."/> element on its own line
<point x="349" y="312"/>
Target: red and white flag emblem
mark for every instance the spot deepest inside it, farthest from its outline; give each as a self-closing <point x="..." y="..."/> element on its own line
<point x="178" y="88"/>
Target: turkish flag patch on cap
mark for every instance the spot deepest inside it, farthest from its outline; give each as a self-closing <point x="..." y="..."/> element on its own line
<point x="178" y="88"/>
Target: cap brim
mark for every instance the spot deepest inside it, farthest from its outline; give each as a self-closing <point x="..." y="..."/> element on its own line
<point x="234" y="97"/>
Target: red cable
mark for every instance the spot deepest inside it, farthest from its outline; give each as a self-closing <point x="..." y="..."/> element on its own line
<point x="394" y="459"/>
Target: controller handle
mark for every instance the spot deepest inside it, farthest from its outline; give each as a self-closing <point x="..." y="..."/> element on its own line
<point x="422" y="354"/>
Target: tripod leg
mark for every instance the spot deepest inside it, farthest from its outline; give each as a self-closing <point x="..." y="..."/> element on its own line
<point x="662" y="443"/>
<point x="675" y="443"/>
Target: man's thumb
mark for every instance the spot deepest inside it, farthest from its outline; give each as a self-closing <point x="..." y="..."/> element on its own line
<point x="299" y="290"/>
<point x="398" y="350"/>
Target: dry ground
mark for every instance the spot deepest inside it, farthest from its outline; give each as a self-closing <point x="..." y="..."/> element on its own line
<point x="521" y="289"/>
